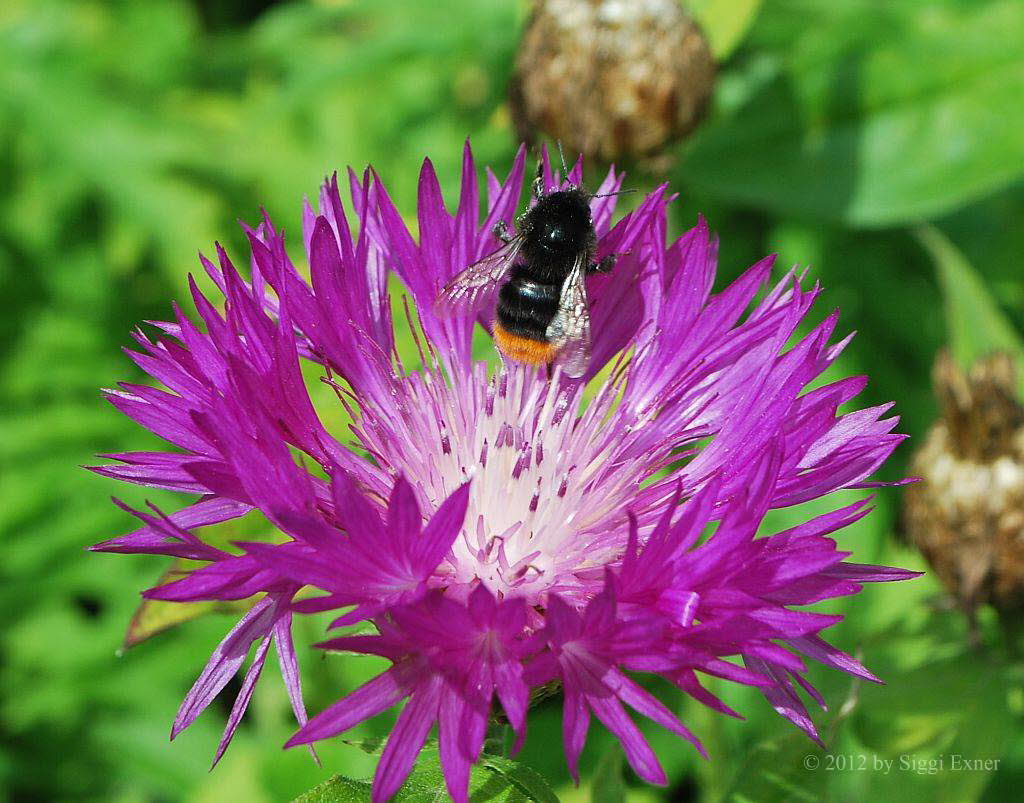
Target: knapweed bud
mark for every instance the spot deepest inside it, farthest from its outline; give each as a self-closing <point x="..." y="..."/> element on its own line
<point x="611" y="78"/>
<point x="967" y="513"/>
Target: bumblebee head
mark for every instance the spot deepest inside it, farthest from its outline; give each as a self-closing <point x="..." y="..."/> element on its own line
<point x="560" y="222"/>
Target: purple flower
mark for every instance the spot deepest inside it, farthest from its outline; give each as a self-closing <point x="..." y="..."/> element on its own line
<point x="450" y="658"/>
<point x="500" y="529"/>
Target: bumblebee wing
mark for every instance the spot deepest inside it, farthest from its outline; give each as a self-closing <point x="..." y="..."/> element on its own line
<point x="569" y="330"/>
<point x="470" y="290"/>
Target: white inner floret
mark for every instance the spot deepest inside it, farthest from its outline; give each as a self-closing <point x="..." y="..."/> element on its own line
<point x="547" y="502"/>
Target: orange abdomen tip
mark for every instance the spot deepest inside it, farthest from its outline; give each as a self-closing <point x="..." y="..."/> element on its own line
<point x="522" y="349"/>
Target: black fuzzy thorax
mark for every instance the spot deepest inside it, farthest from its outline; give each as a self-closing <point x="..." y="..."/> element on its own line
<point x="556" y="232"/>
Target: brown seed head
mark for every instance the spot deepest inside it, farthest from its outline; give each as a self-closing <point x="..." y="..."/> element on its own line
<point x="967" y="513"/>
<point x="611" y="78"/>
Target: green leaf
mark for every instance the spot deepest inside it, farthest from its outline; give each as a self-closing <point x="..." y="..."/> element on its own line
<point x="154" y="616"/>
<point x="337" y="790"/>
<point x="787" y="768"/>
<point x="494" y="779"/>
<point x="532" y="785"/>
<point x="724" y="22"/>
<point x="976" y="326"/>
<point x="944" y="711"/>
<point x="374" y="745"/>
<point x="608" y="785"/>
<point x="874" y="114"/>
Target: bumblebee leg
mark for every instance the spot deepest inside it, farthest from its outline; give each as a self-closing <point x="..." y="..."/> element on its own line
<point x="500" y="230"/>
<point x="604" y="266"/>
<point x="538" y="180"/>
<point x="551" y="370"/>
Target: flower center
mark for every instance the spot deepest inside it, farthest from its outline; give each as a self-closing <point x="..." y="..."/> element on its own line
<point x="544" y="505"/>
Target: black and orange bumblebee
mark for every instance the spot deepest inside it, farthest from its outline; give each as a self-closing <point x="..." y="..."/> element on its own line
<point x="541" y="315"/>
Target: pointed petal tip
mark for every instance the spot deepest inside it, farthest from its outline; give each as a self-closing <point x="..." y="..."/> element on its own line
<point x="296" y="740"/>
<point x="221" y="750"/>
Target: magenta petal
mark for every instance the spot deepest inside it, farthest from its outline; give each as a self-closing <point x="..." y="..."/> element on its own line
<point x="647" y="704"/>
<point x="820" y="650"/>
<point x="225" y="662"/>
<point x="514" y="695"/>
<point x="443" y="527"/>
<point x="368" y="700"/>
<point x="305" y="567"/>
<point x="406" y="740"/>
<point x="290" y="671"/>
<point x="154" y="538"/>
<point x="575" y="724"/>
<point x="864" y="573"/>
<point x="784" y="699"/>
<point x="243" y="698"/>
<point x="638" y="752"/>
<point x="455" y="761"/>
<point x="154" y="469"/>
<point x="687" y="681"/>
<point x="404" y="520"/>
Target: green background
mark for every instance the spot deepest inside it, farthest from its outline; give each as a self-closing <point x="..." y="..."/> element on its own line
<point x="880" y="142"/>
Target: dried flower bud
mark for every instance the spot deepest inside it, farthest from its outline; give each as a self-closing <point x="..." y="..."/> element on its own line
<point x="967" y="513"/>
<point x="611" y="78"/>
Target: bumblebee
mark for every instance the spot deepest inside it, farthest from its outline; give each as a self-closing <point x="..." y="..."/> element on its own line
<point x="541" y="315"/>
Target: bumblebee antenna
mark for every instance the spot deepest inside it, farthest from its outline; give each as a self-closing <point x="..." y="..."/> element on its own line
<point x="565" y="170"/>
<point x="617" y="192"/>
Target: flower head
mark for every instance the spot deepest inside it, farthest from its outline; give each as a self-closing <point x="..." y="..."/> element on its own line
<point x="503" y="529"/>
<point x="964" y="515"/>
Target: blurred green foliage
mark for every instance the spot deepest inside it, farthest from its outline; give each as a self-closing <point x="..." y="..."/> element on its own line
<point x="133" y="134"/>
